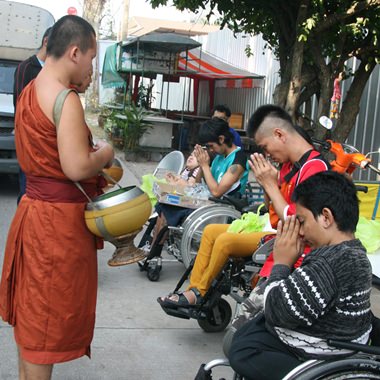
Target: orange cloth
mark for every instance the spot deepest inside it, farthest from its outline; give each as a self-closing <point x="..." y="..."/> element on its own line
<point x="48" y="287"/>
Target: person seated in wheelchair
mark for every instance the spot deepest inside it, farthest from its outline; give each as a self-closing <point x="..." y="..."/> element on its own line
<point x="189" y="176"/>
<point x="283" y="143"/>
<point x="228" y="173"/>
<point x="327" y="297"/>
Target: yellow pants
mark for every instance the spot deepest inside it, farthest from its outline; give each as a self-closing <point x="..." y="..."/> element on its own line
<point x="217" y="245"/>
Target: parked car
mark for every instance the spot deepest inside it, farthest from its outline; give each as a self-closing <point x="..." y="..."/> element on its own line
<point x="23" y="26"/>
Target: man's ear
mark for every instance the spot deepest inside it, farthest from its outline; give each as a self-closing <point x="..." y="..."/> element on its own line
<point x="73" y="53"/>
<point x="326" y="218"/>
<point x="221" y="139"/>
<point x="280" y="134"/>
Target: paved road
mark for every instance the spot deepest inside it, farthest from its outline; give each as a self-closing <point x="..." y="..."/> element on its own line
<point x="133" y="338"/>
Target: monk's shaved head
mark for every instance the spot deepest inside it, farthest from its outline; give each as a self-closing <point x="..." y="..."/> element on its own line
<point x="68" y="31"/>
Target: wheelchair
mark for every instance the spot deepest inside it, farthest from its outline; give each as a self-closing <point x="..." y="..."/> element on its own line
<point x="364" y="364"/>
<point x="183" y="241"/>
<point x="237" y="280"/>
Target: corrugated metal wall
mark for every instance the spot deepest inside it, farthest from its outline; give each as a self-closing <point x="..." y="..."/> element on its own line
<point x="173" y="96"/>
<point x="366" y="134"/>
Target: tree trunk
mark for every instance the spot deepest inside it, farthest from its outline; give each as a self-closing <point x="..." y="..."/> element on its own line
<point x="280" y="93"/>
<point x="297" y="63"/>
<point x="93" y="12"/>
<point x="326" y="82"/>
<point x="351" y="104"/>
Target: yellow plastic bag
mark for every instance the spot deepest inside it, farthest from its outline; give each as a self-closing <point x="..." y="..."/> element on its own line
<point x="249" y="222"/>
<point x="147" y="186"/>
<point x="368" y="232"/>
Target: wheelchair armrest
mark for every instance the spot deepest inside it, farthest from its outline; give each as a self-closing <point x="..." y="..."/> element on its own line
<point x="253" y="208"/>
<point x="261" y="254"/>
<point x="238" y="203"/>
<point x="376" y="281"/>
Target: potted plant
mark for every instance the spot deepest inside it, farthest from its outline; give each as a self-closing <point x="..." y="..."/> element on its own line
<point x="117" y="133"/>
<point x="135" y="126"/>
<point x="104" y="114"/>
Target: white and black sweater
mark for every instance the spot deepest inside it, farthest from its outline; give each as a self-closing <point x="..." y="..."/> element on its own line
<point x="328" y="296"/>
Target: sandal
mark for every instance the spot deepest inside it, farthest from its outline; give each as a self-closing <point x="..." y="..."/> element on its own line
<point x="180" y="299"/>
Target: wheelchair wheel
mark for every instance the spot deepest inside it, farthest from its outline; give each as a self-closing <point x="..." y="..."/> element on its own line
<point x="354" y="368"/>
<point x="217" y="317"/>
<point x="153" y="274"/>
<point x="196" y="222"/>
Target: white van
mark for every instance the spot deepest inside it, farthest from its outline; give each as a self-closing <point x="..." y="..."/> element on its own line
<point x="22" y="27"/>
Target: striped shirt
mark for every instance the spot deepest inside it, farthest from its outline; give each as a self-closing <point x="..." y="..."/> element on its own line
<point x="328" y="296"/>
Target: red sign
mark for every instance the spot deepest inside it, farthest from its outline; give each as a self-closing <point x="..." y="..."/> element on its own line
<point x="72" y="11"/>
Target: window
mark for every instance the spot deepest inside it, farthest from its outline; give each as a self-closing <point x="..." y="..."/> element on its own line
<point x="7" y="70"/>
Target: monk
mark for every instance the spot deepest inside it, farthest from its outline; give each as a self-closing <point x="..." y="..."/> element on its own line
<point x="48" y="286"/>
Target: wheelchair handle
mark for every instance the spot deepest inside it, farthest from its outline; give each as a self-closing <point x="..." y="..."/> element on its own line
<point x="364" y="189"/>
<point x="375" y="350"/>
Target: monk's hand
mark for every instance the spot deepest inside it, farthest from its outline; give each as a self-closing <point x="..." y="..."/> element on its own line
<point x="288" y="245"/>
<point x="102" y="144"/>
<point x="265" y="173"/>
<point x="99" y="144"/>
<point x="202" y="156"/>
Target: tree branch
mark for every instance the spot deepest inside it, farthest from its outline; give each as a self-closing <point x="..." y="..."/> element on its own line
<point x="336" y="18"/>
<point x="351" y="104"/>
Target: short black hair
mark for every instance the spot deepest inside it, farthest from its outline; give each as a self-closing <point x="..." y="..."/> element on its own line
<point x="222" y="108"/>
<point x="67" y="31"/>
<point x="211" y="130"/>
<point x="46" y="34"/>
<point x="267" y="110"/>
<point x="271" y="110"/>
<point x="333" y="191"/>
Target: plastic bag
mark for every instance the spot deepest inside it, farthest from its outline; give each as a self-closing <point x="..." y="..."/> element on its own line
<point x="249" y="222"/>
<point x="147" y="186"/>
<point x="198" y="190"/>
<point x="368" y="232"/>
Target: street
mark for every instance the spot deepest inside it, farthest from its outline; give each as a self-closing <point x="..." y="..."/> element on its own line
<point x="134" y="338"/>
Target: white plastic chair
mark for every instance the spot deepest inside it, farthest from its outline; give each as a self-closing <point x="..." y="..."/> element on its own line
<point x="172" y="162"/>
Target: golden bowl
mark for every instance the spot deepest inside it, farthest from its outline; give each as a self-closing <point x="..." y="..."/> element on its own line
<point x="115" y="172"/>
<point x="118" y="212"/>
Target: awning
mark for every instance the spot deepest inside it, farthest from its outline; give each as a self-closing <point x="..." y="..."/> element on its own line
<point x="110" y="76"/>
<point x="206" y="66"/>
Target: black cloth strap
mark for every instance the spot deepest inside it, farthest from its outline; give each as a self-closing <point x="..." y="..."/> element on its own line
<point x="298" y="164"/>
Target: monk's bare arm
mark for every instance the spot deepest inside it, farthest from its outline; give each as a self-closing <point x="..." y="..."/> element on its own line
<point x="73" y="146"/>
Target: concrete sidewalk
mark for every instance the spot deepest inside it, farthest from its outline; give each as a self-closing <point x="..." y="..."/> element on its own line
<point x="134" y="338"/>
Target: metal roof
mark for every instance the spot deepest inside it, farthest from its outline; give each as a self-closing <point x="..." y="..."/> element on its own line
<point x="163" y="42"/>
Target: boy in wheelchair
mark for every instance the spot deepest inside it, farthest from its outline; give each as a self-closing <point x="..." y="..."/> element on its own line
<point x="327" y="297"/>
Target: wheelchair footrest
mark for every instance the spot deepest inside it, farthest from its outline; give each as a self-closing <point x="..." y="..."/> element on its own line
<point x="186" y="312"/>
<point x="178" y="313"/>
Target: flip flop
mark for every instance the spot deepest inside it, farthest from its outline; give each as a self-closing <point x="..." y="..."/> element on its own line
<point x="182" y="301"/>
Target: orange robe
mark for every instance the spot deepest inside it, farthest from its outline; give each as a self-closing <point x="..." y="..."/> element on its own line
<point x="48" y="286"/>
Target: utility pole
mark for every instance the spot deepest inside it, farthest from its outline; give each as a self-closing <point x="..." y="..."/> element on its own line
<point x="124" y="21"/>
